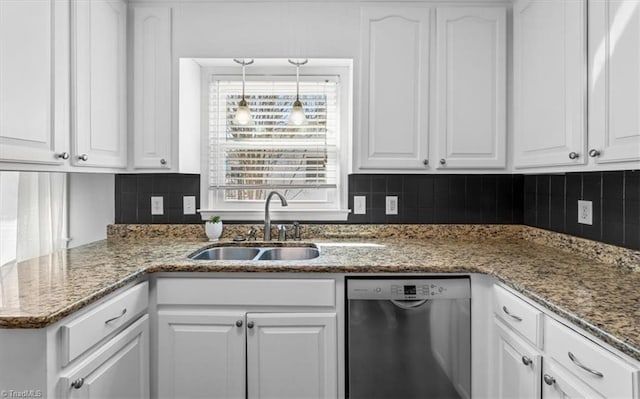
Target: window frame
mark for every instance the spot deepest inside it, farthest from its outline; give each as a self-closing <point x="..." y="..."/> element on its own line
<point x="254" y="210"/>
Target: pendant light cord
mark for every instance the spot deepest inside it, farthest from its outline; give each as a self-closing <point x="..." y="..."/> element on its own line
<point x="297" y="64"/>
<point x="244" y="63"/>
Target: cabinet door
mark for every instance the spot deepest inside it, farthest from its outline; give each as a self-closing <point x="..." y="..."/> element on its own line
<point x="471" y="93"/>
<point x="152" y="87"/>
<point x="201" y="354"/>
<point x="560" y="384"/>
<point x="292" y="355"/>
<point x="395" y="87"/>
<point x="614" y="80"/>
<point x="99" y="131"/>
<point x="119" y="369"/>
<point x="34" y="69"/>
<point x="519" y="366"/>
<point x="549" y="82"/>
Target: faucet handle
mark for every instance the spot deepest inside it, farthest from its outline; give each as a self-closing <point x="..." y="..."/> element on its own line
<point x="296" y="231"/>
<point x="252" y="234"/>
<point x="282" y="232"/>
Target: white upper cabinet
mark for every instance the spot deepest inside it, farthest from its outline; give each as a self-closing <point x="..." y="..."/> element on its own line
<point x="395" y="88"/>
<point x="152" y="87"/>
<point x="549" y="83"/>
<point x="99" y="100"/>
<point x="614" y="80"/>
<point x="34" y="94"/>
<point x="471" y="87"/>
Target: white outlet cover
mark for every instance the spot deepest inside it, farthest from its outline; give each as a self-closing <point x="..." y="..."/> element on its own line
<point x="392" y="205"/>
<point x="359" y="204"/>
<point x="189" y="204"/>
<point x="157" y="205"/>
<point x="585" y="212"/>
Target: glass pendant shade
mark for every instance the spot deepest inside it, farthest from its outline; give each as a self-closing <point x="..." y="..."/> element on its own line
<point x="243" y="115"/>
<point x="297" y="116"/>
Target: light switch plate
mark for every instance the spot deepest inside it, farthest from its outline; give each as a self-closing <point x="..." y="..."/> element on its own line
<point x="392" y="205"/>
<point x="585" y="212"/>
<point x="189" y="204"/>
<point x="157" y="205"/>
<point x="359" y="204"/>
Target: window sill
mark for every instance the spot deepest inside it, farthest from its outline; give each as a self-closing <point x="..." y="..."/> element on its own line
<point x="293" y="215"/>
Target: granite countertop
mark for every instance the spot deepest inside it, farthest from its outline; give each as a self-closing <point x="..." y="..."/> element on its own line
<point x="599" y="296"/>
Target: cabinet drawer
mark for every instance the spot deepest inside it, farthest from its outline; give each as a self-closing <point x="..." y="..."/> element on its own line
<point x="616" y="380"/>
<point x="262" y="292"/>
<point x="83" y="332"/>
<point x="519" y="315"/>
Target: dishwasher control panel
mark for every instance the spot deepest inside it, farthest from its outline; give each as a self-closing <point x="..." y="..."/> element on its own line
<point x="409" y="289"/>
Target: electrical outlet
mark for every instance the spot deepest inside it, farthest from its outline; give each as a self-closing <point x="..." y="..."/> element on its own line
<point x="392" y="205"/>
<point x="157" y="205"/>
<point x="189" y="204"/>
<point x="585" y="212"/>
<point x="359" y="204"/>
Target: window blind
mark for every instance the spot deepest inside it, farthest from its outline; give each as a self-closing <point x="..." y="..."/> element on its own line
<point x="270" y="153"/>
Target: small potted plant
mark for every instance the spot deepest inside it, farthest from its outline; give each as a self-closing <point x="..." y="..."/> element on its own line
<point x="213" y="228"/>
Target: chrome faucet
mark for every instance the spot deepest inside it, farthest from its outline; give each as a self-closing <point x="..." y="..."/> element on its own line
<point x="267" y="218"/>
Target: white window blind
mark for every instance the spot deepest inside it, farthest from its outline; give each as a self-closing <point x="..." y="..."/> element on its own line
<point x="246" y="162"/>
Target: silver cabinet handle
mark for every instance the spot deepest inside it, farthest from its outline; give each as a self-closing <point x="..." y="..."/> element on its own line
<point x="594" y="153"/>
<point x="526" y="360"/>
<point x="443" y="161"/>
<point x="163" y="161"/>
<point x="117" y="317"/>
<point x="250" y="324"/>
<point x="582" y="366"/>
<point x="83" y="157"/>
<point x="63" y="155"/>
<point x="574" y="155"/>
<point x="549" y="380"/>
<point x="77" y="384"/>
<point x="425" y="162"/>
<point x="514" y="317"/>
<point x="238" y="323"/>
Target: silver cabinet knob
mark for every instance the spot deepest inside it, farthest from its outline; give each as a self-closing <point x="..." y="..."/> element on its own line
<point x="443" y="161"/>
<point x="573" y="155"/>
<point x="593" y="153"/>
<point x="250" y="324"/>
<point x="77" y="384"/>
<point x="549" y="380"/>
<point x="238" y="323"/>
<point x="63" y="155"/>
<point x="163" y="161"/>
<point x="526" y="361"/>
<point x="83" y="157"/>
<point x="425" y="162"/>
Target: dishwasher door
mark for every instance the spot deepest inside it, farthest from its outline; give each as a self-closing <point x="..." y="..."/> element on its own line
<point x="409" y="349"/>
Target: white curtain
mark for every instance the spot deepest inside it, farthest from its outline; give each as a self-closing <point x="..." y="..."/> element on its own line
<point x="41" y="214"/>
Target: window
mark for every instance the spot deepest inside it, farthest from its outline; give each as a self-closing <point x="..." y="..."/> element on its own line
<point x="307" y="163"/>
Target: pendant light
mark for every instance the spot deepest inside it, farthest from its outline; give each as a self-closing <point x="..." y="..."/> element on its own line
<point x="243" y="115"/>
<point x="297" y="116"/>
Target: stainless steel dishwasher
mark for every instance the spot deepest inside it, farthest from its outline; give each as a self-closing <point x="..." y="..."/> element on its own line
<point x="408" y="337"/>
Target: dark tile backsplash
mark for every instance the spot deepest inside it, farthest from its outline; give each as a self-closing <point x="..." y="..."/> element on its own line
<point x="439" y="198"/>
<point x="551" y="202"/>
<point x="134" y="191"/>
<point x="545" y="201"/>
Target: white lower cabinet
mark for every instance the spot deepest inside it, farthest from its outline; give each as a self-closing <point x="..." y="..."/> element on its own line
<point x="218" y="354"/>
<point x="518" y="365"/>
<point x="560" y="384"/>
<point x="119" y="369"/>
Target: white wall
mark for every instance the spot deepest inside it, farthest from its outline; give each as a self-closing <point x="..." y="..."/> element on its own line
<point x="91" y="207"/>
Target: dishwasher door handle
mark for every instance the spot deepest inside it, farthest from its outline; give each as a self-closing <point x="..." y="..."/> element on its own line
<point x="408" y="304"/>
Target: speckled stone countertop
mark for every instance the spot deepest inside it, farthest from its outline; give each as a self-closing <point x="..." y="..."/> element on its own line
<point x="593" y="286"/>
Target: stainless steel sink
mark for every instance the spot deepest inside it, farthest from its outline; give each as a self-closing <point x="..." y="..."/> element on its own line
<point x="289" y="253"/>
<point x="257" y="253"/>
<point x="227" y="253"/>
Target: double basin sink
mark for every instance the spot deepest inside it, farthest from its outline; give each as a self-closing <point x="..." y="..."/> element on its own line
<point x="263" y="252"/>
